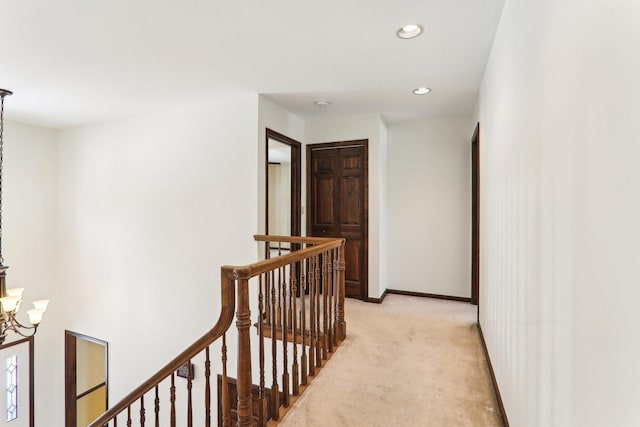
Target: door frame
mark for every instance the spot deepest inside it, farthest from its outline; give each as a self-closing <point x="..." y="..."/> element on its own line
<point x="365" y="246"/>
<point x="70" y="367"/>
<point x="296" y="184"/>
<point x="475" y="218"/>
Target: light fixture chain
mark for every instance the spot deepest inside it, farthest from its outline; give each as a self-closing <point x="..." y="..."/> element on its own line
<point x="10" y="301"/>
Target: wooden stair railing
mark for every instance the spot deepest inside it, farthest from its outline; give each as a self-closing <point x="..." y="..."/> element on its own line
<point x="299" y="300"/>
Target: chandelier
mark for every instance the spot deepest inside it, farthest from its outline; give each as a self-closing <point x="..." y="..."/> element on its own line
<point x="10" y="299"/>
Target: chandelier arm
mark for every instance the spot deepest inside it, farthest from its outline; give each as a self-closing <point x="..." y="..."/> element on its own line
<point x="4" y="327"/>
<point x="17" y="331"/>
<point x="16" y="327"/>
<point x="14" y="323"/>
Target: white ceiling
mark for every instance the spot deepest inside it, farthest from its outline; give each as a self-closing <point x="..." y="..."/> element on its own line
<point x="72" y="62"/>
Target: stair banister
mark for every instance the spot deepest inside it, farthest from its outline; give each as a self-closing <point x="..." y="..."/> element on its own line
<point x="235" y="279"/>
<point x="227" y="293"/>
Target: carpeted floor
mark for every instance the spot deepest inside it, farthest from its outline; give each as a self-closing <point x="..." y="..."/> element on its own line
<point x="406" y="362"/>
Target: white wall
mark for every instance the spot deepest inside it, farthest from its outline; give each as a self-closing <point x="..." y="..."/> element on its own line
<point x="371" y="127"/>
<point x="559" y="212"/>
<point x="149" y="209"/>
<point x="29" y="235"/>
<point x="429" y="176"/>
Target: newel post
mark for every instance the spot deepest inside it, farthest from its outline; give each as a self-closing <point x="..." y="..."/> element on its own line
<point x="243" y="323"/>
<point x="342" y="325"/>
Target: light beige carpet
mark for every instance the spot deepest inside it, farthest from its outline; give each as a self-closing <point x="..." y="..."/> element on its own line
<point x="406" y="362"/>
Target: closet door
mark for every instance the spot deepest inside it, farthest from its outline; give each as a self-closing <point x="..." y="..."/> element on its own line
<point x="337" y="204"/>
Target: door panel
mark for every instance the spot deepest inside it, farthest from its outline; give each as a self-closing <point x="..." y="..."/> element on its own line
<point x="353" y="271"/>
<point x="337" y="202"/>
<point x="324" y="194"/>
<point x="351" y="160"/>
<point x="350" y="192"/>
<point x="325" y="163"/>
<point x="352" y="251"/>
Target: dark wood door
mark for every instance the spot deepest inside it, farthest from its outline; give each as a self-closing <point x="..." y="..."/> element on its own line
<point x="337" y="204"/>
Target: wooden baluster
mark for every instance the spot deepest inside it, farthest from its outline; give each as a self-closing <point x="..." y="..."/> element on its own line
<point x="330" y="299"/>
<point x="128" y="416"/>
<point x="189" y="400"/>
<point x="342" y="325"/>
<point x="142" y="417"/>
<point x="290" y="294"/>
<point x="278" y="284"/>
<point x="275" y="393"/>
<point x="312" y="316"/>
<point x="156" y="405"/>
<point x="285" y="347"/>
<point x="293" y="295"/>
<point x="325" y="300"/>
<point x="243" y="324"/>
<point x="303" y="322"/>
<point x="172" y="398"/>
<point x="226" y="403"/>
<point x="334" y="304"/>
<point x="115" y="421"/>
<point x="261" y="413"/>
<point x="207" y="388"/>
<point x="267" y="305"/>
<point x="318" y="279"/>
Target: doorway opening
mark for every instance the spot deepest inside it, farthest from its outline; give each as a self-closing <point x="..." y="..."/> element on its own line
<point x="86" y="379"/>
<point x="475" y="218"/>
<point x="283" y="166"/>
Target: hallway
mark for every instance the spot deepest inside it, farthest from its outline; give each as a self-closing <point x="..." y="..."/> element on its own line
<point x="406" y="362"/>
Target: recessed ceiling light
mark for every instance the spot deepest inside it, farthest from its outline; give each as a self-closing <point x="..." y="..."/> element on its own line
<point x="410" y="31"/>
<point x="322" y="104"/>
<point x="422" y="91"/>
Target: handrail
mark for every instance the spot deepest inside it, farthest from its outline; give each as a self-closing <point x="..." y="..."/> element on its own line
<point x="322" y="244"/>
<point x="292" y="239"/>
<point x="221" y="326"/>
